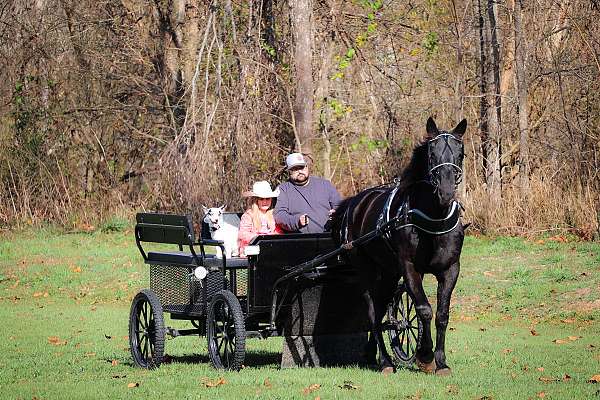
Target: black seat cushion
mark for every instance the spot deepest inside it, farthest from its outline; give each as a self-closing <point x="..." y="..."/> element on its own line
<point x="183" y="258"/>
<point x="172" y="258"/>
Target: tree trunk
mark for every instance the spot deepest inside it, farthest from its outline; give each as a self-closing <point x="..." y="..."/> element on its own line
<point x="494" y="143"/>
<point x="522" y="94"/>
<point x="303" y="102"/>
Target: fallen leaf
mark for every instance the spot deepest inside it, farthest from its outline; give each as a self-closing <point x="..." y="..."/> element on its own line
<point x="416" y="396"/>
<point x="566" y="377"/>
<point x="311" y="388"/>
<point x="133" y="384"/>
<point x="540" y="241"/>
<point x="506" y="351"/>
<point x="90" y="354"/>
<point x="560" y="341"/>
<point x="348" y="385"/>
<point x="541" y="395"/>
<point x="76" y="270"/>
<point x="209" y="383"/>
<point x="55" y="340"/>
<point x="114" y="363"/>
<point x="534" y="332"/>
<point x="573" y="338"/>
<point x="119" y="376"/>
<point x="452" y="389"/>
<point x="268" y="383"/>
<point x="548" y="379"/>
<point x="482" y="329"/>
<point x="38" y="294"/>
<point x="107" y="336"/>
<point x="541" y="369"/>
<point x="595" y="379"/>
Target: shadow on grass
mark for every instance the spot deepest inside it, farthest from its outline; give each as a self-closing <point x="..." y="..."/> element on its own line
<point x="253" y="359"/>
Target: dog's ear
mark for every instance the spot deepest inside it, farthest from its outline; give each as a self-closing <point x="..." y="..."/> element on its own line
<point x="204" y="209"/>
<point x="223" y="207"/>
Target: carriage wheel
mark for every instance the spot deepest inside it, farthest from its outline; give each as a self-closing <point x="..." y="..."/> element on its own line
<point x="225" y="331"/>
<point x="146" y="330"/>
<point x="404" y="327"/>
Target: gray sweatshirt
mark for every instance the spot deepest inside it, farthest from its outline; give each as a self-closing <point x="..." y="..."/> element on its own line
<point x="314" y="199"/>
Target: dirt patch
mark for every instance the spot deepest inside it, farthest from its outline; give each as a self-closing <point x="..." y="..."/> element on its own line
<point x="584" y="306"/>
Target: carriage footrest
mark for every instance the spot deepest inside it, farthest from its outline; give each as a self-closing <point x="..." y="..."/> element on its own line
<point x="181" y="332"/>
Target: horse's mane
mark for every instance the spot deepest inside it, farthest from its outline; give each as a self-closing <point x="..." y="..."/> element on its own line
<point x="416" y="168"/>
<point x="414" y="172"/>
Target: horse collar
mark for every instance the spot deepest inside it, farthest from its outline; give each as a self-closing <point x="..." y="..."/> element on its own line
<point x="420" y="220"/>
<point x="406" y="217"/>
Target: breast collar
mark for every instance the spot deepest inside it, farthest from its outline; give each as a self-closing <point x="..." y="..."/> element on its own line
<point x="414" y="217"/>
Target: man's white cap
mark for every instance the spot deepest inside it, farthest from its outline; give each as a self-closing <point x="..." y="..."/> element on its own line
<point x="294" y="160"/>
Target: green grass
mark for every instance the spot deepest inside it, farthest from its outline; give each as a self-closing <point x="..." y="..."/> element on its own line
<point x="524" y="321"/>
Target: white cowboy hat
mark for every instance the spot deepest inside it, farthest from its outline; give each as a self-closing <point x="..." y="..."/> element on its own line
<point x="262" y="189"/>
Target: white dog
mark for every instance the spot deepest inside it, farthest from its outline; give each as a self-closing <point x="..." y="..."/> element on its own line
<point x="221" y="230"/>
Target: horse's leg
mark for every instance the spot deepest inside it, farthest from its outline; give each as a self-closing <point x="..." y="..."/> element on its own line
<point x="446" y="282"/>
<point x="414" y="284"/>
<point x="375" y="317"/>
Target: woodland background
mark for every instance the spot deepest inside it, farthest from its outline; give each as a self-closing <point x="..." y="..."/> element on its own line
<point x="113" y="106"/>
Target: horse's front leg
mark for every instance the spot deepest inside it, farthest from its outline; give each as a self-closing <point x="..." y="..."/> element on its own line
<point x="446" y="282"/>
<point x="414" y="284"/>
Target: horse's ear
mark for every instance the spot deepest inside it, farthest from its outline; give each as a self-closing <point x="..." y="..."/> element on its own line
<point x="204" y="209"/>
<point x="432" y="129"/>
<point x="460" y="128"/>
<point x="223" y="207"/>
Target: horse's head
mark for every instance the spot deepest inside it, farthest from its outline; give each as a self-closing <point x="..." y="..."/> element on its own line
<point x="445" y="153"/>
<point x="214" y="217"/>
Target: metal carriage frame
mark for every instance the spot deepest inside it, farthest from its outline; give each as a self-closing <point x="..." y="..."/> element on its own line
<point x="230" y="300"/>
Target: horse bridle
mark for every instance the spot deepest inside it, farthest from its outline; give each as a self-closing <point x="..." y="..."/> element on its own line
<point x="432" y="178"/>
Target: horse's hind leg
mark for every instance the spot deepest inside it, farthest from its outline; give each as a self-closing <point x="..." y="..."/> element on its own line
<point x="375" y="317"/>
<point x="414" y="283"/>
<point x="446" y="282"/>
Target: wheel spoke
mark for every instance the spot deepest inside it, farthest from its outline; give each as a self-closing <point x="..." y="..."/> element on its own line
<point x="145" y="314"/>
<point x="145" y="348"/>
<point x="140" y="319"/>
<point x="226" y="351"/>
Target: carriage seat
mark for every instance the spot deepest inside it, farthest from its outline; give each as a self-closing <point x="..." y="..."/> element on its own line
<point x="178" y="230"/>
<point x="187" y="259"/>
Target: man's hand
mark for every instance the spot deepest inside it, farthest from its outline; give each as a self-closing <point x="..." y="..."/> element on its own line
<point x="303" y="221"/>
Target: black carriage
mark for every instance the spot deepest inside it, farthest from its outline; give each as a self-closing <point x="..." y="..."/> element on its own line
<point x="231" y="299"/>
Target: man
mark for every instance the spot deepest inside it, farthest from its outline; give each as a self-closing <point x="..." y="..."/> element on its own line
<point x="305" y="202"/>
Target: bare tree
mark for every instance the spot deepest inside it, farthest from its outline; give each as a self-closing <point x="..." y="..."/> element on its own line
<point x="303" y="102"/>
<point x="522" y="94"/>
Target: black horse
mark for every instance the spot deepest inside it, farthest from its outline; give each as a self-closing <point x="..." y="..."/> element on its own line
<point x="419" y="232"/>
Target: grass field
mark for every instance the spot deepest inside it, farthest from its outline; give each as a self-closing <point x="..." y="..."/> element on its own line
<point x="525" y="324"/>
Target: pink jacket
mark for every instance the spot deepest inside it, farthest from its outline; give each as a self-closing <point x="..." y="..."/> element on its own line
<point x="247" y="232"/>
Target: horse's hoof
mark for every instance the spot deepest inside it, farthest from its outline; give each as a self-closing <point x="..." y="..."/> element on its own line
<point x="387" y="370"/>
<point x="443" y="372"/>
<point x="428" y="368"/>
